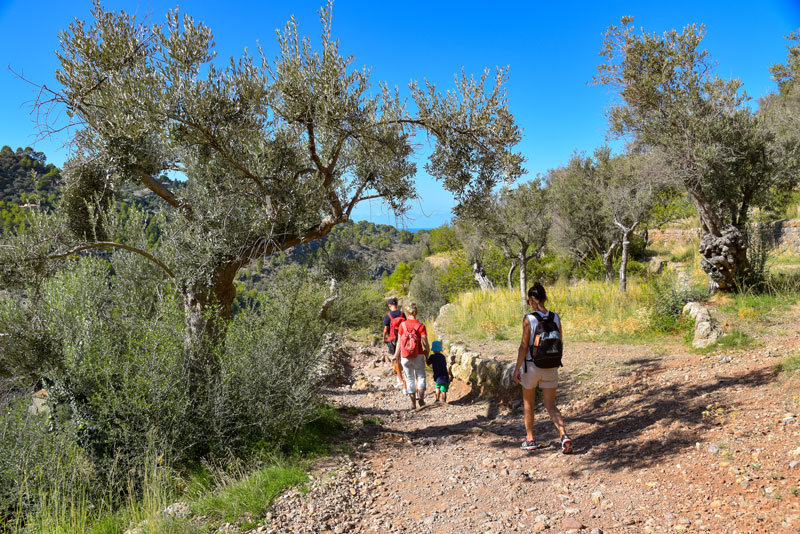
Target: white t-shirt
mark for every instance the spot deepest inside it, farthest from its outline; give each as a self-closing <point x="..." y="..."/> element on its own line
<point x="533" y="321"/>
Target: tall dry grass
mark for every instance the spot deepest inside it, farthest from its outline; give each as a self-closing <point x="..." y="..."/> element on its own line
<point x="589" y="311"/>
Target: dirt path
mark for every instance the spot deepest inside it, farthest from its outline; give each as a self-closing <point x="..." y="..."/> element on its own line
<point x="664" y="441"/>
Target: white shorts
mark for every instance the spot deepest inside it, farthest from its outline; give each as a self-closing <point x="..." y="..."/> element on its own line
<point x="544" y="378"/>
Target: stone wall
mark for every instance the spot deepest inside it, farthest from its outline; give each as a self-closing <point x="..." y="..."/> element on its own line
<point x="784" y="235"/>
<point x="486" y="376"/>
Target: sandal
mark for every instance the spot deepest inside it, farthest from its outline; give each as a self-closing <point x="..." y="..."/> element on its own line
<point x="566" y="444"/>
<point x="529" y="445"/>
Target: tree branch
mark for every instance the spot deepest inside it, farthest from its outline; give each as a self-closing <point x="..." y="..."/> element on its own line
<point x="112" y="244"/>
<point x="159" y="189"/>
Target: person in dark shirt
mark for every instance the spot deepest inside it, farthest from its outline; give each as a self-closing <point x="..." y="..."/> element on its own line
<point x="391" y="323"/>
<point x="441" y="375"/>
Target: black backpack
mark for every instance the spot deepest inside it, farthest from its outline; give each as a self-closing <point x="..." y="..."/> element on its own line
<point x="547" y="354"/>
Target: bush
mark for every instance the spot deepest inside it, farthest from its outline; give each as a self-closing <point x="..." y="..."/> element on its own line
<point x="118" y="387"/>
<point x="35" y="463"/>
<point x="361" y="304"/>
<point x="666" y="297"/>
<point x="759" y="249"/>
<point x="425" y="291"/>
<point x="456" y="277"/>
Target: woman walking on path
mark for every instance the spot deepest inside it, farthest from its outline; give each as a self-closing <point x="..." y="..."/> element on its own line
<point x="542" y="342"/>
<point x="413" y="342"/>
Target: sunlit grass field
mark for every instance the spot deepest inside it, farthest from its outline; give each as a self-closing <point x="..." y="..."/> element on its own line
<point x="589" y="311"/>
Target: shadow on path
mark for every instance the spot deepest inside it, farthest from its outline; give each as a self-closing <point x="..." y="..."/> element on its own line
<point x="608" y="433"/>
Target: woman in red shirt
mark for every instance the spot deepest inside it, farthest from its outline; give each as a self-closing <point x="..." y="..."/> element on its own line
<point x="413" y="342"/>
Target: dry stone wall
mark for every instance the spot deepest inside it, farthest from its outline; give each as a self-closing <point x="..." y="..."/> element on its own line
<point x="784" y="235"/>
<point x="486" y="376"/>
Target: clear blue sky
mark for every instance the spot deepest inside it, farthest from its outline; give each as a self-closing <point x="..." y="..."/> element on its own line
<point x="551" y="49"/>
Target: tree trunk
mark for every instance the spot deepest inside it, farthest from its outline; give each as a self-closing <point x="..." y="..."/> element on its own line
<point x="723" y="247"/>
<point x="207" y="309"/>
<point x="608" y="261"/>
<point x="511" y="273"/>
<point x="623" y="264"/>
<point x="480" y="275"/>
<point x="523" y="279"/>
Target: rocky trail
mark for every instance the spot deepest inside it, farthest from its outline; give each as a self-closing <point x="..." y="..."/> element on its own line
<point x="665" y="440"/>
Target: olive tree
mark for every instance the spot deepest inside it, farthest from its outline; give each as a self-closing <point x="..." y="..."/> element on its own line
<point x="582" y="226"/>
<point x="274" y="153"/>
<point x="518" y="220"/>
<point x="670" y="100"/>
<point x="639" y="191"/>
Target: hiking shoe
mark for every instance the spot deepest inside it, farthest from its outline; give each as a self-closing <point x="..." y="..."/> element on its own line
<point x="529" y="445"/>
<point x="566" y="444"/>
<point x="421" y="402"/>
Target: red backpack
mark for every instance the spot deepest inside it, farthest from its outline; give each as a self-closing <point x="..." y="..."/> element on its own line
<point x="410" y="340"/>
<point x="394" y="326"/>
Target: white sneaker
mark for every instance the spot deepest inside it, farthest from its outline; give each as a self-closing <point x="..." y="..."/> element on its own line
<point x="398" y="384"/>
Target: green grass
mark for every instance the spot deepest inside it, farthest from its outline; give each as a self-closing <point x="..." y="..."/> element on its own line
<point x="759" y="307"/>
<point x="785" y="259"/>
<point x="733" y="340"/>
<point x="590" y="311"/>
<point x="249" y="495"/>
<point x="790" y="364"/>
<point x="236" y="489"/>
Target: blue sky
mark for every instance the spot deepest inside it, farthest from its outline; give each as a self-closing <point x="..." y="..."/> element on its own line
<point x="551" y="49"/>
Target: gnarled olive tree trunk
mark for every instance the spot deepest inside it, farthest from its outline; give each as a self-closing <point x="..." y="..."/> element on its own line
<point x="723" y="247"/>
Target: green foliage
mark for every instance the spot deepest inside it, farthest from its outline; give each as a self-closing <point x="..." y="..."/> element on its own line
<point x="666" y="297"/>
<point x="118" y="378"/>
<point x="399" y="280"/>
<point x="426" y="292"/>
<point x="790" y="364"/>
<point x="443" y="239"/>
<point x="455" y="277"/>
<point x="35" y="462"/>
<point x="359" y="305"/>
<point x="25" y="177"/>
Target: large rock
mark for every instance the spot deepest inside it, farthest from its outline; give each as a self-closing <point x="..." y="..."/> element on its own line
<point x="489" y="373"/>
<point x="657" y="265"/>
<point x="706" y="332"/>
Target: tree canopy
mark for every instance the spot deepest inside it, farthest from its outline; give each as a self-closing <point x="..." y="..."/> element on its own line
<point x="726" y="158"/>
<point x="274" y="153"/>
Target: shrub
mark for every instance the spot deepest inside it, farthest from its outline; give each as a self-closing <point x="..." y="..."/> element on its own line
<point x="35" y="463"/>
<point x="425" y="291"/>
<point x="456" y="277"/>
<point x="666" y="297"/>
<point x="361" y="304"/>
<point x="118" y="387"/>
<point x="759" y="249"/>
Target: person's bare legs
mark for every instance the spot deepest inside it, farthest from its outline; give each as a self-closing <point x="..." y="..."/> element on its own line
<point x="549" y="399"/>
<point x="398" y="369"/>
<point x="528" y="403"/>
<point x="444" y="397"/>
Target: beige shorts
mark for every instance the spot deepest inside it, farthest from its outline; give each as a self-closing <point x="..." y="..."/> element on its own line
<point x="544" y="378"/>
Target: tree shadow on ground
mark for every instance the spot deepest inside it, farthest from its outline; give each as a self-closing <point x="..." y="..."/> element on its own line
<point x="608" y="433"/>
